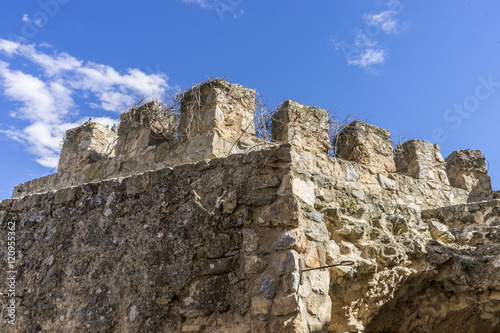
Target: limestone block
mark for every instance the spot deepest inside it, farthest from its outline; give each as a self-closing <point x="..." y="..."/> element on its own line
<point x="260" y="306"/>
<point x="366" y="144"/>
<point x="440" y="232"/>
<point x="466" y="169"/>
<point x="217" y="106"/>
<point x="84" y="145"/>
<point x="421" y="160"/>
<point x="303" y="126"/>
<point x="386" y="183"/>
<point x="143" y="126"/>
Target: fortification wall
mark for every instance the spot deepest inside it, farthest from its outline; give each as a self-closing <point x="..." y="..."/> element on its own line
<point x="177" y="233"/>
<point x="185" y="249"/>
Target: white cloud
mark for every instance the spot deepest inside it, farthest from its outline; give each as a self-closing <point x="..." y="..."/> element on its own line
<point x="368" y="58"/>
<point x="26" y="18"/>
<point x="221" y="7"/>
<point x="384" y="20"/>
<point x="202" y="3"/>
<point x="46" y="99"/>
<point x="8" y="47"/>
<point x="365" y="53"/>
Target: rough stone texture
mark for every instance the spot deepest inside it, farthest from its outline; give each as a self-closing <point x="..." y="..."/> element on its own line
<point x="143" y="126"/>
<point x="302" y="126"/>
<point x="422" y="160"/>
<point x="467" y="169"/>
<point x="216" y="121"/>
<point x="232" y="244"/>
<point x="366" y="144"/>
<point x="154" y="252"/>
<point x="85" y="145"/>
<point x="217" y="106"/>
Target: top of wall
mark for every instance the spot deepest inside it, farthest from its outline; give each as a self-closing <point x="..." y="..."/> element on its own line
<point x="216" y="119"/>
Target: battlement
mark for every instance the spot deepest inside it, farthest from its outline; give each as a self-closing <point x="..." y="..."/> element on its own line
<point x="216" y="119"/>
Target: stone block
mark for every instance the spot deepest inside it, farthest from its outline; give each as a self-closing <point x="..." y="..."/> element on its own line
<point x="267" y="287"/>
<point x="285" y="305"/>
<point x="366" y="144"/>
<point x="303" y="126"/>
<point x="143" y="126"/>
<point x="219" y="106"/>
<point x="466" y="169"/>
<point x="260" y="306"/>
<point x="421" y="160"/>
<point x="85" y="145"/>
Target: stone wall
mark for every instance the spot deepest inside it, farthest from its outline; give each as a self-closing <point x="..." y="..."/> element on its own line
<point x="190" y="249"/>
<point x="216" y="121"/>
<point x="214" y="230"/>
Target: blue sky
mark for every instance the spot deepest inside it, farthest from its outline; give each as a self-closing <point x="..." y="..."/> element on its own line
<point x="423" y="69"/>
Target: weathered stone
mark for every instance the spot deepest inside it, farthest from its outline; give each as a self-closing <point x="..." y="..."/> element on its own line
<point x="366" y="144"/>
<point x="386" y="183"/>
<point x="85" y="145"/>
<point x="440" y="232"/>
<point x="289" y="262"/>
<point x="351" y="175"/>
<point x="290" y="282"/>
<point x="304" y="190"/>
<point x="149" y="242"/>
<point x="303" y="126"/>
<point x="217" y="105"/>
<point x="285" y="305"/>
<point x="254" y="265"/>
<point x="143" y="126"/>
<point x="260" y="306"/>
<point x="317" y="216"/>
<point x="286" y="240"/>
<point x="260" y="327"/>
<point x="267" y="287"/>
<point x="466" y="169"/>
<point x="422" y="160"/>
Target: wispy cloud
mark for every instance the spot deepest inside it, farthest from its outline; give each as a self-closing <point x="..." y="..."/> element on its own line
<point x="45" y="99"/>
<point x="368" y="58"/>
<point x="366" y="51"/>
<point x="385" y="20"/>
<point x="39" y="22"/>
<point x="221" y="7"/>
<point x="202" y="3"/>
<point x="26" y="18"/>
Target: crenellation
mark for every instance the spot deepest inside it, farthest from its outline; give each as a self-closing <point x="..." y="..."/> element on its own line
<point x="304" y="127"/>
<point x="86" y="144"/>
<point x="366" y="144"/>
<point x="143" y="126"/>
<point x="217" y="106"/>
<point x="467" y="170"/>
<point x="421" y="160"/>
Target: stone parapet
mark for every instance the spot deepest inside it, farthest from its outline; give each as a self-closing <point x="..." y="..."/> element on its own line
<point x="215" y="120"/>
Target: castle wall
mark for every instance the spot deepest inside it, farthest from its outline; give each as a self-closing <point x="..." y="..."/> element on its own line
<point x="218" y="231"/>
<point x="186" y="249"/>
